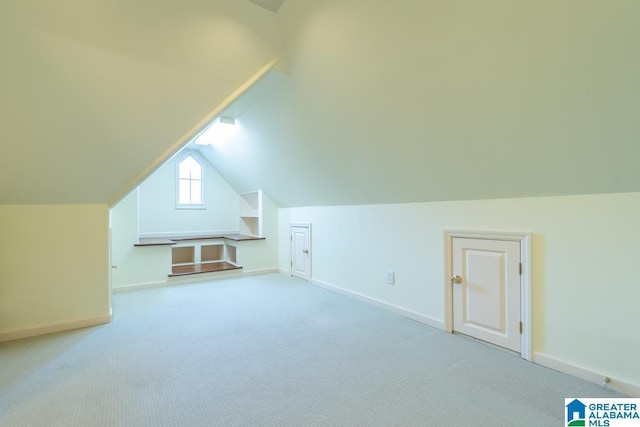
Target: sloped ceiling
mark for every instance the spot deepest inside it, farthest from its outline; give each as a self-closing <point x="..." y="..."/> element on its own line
<point x="272" y="5"/>
<point x="428" y="101"/>
<point x="92" y="92"/>
<point x="383" y="101"/>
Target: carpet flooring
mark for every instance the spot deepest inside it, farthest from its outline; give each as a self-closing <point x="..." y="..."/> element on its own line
<point x="270" y="351"/>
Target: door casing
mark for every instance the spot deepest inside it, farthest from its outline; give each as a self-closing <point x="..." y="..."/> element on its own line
<point x="525" y="278"/>
<point x="308" y="255"/>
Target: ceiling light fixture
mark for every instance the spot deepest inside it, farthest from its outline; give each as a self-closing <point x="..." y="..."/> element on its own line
<point x="217" y="131"/>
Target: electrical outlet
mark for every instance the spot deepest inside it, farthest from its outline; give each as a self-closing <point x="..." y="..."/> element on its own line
<point x="391" y="278"/>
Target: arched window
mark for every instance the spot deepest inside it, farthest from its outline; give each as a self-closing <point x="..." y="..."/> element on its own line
<point x="189" y="182"/>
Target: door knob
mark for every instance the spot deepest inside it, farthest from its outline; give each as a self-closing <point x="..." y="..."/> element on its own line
<point x="456" y="279"/>
<point x="305" y="251"/>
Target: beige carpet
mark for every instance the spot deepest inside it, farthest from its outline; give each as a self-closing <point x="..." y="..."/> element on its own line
<point x="270" y="351"/>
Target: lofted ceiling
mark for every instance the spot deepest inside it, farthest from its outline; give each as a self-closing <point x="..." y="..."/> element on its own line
<point x="408" y="102"/>
<point x="272" y="5"/>
<point x="92" y="92"/>
<point x="431" y="101"/>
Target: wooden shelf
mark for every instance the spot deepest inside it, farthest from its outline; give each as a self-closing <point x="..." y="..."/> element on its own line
<point x="242" y="237"/>
<point x="201" y="254"/>
<point x="196" y="254"/>
<point x="172" y="241"/>
<point x="208" y="267"/>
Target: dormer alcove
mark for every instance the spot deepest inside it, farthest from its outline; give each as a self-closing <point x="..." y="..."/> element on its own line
<point x="159" y="239"/>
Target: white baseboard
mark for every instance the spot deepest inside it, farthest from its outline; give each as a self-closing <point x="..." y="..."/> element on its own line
<point x="218" y="275"/>
<point x="427" y="320"/>
<point x="284" y="271"/>
<point x="203" y="277"/>
<point x="54" y="327"/>
<point x="195" y="278"/>
<point x="618" y="384"/>
<point x="259" y="271"/>
<point x="138" y="286"/>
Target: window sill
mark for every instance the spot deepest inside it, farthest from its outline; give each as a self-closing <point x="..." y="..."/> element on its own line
<point x="196" y="207"/>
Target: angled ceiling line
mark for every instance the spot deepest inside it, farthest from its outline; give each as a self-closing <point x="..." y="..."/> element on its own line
<point x="272" y="5"/>
<point x="187" y="137"/>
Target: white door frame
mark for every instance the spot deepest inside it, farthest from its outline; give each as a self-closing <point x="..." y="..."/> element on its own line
<point x="525" y="278"/>
<point x="303" y="225"/>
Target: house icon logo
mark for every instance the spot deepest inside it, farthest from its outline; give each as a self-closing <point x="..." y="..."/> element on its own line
<point x="576" y="413"/>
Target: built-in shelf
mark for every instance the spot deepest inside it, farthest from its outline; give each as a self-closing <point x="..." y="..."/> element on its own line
<point x="209" y="267"/>
<point x="172" y="241"/>
<point x="211" y="253"/>
<point x="197" y="254"/>
<point x="251" y="213"/>
<point x="203" y="254"/>
<point x="183" y="255"/>
<point x="199" y="251"/>
<point x="231" y="255"/>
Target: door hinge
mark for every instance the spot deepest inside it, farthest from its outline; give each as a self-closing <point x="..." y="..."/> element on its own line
<point x="521" y="269"/>
<point x="521" y="327"/>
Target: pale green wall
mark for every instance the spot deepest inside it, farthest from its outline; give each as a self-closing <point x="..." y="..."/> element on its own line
<point x="135" y="265"/>
<point x="157" y="203"/>
<point x="55" y="265"/>
<point x="585" y="249"/>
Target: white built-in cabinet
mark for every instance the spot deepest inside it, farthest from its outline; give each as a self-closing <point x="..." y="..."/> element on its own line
<point x="217" y="249"/>
<point x="251" y="213"/>
<point x="202" y="252"/>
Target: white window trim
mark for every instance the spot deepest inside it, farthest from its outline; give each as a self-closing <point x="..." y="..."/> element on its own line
<point x="176" y="181"/>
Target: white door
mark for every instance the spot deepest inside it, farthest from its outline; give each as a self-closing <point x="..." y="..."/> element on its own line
<point x="486" y="290"/>
<point x="301" y="251"/>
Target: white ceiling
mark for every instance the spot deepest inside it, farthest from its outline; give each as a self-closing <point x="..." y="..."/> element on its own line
<point x="263" y="90"/>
